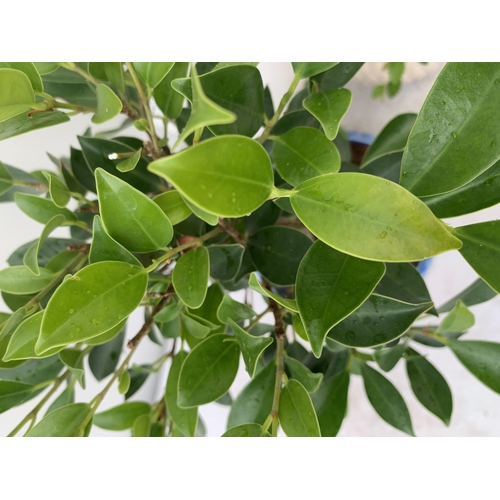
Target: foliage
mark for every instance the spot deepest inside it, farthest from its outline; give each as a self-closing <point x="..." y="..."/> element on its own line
<point x="246" y="198"/>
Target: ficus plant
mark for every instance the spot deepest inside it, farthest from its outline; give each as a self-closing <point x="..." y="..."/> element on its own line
<point x="244" y="197"/>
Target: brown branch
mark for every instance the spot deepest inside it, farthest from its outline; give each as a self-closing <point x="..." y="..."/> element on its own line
<point x="229" y="229"/>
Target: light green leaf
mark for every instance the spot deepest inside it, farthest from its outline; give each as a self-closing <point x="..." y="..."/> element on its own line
<point x="30" y="70"/>
<point x="152" y="73"/>
<point x="299" y="328"/>
<point x="66" y="421"/>
<point x="109" y="104"/>
<point x="208" y="371"/>
<point x="402" y="229"/>
<point x="91" y="302"/>
<point x="121" y="417"/>
<point x="186" y="419"/>
<point x="105" y="337"/>
<point x="476" y="293"/>
<point x="308" y="69"/>
<point x="190" y="277"/>
<point x="58" y="191"/>
<point x="386" y="400"/>
<point x="73" y="359"/>
<point x="130" y="163"/>
<point x="44" y="68"/>
<point x="289" y="304"/>
<point x="142" y="426"/>
<point x="20" y="280"/>
<point x="174" y="206"/>
<point x="103" y="359"/>
<point x="304" y="153"/>
<point x="455" y="137"/>
<point x="457" y="320"/>
<point x="41" y="209"/>
<point x="129" y="216"/>
<point x="105" y="248"/>
<point x="387" y="359"/>
<point x="231" y="310"/>
<point x="193" y="327"/>
<point x="228" y="176"/>
<point x="209" y="218"/>
<point x="251" y="347"/>
<point x="225" y="261"/>
<point x="169" y="100"/>
<point x="5" y="179"/>
<point x="330" y="286"/>
<point x="169" y="312"/>
<point x="311" y="381"/>
<point x="66" y="397"/>
<point x="17" y="93"/>
<point x="12" y="322"/>
<point x="246" y="430"/>
<point x="296" y="411"/>
<point x="329" y="107"/>
<point x="111" y="72"/>
<point x="24" y="122"/>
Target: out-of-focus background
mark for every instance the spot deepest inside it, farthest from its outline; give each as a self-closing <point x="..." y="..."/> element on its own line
<point x="476" y="409"/>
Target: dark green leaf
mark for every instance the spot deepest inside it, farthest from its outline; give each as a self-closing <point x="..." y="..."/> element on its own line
<point x="73" y="359"/>
<point x="336" y="77"/>
<point x="231" y="310"/>
<point x="266" y="215"/>
<point x="387" y="359"/>
<point x="225" y="261"/>
<point x="208" y="309"/>
<point x="152" y="73"/>
<point x="13" y="393"/>
<point x="121" y="417"/>
<point x="387" y="166"/>
<point x="476" y="293"/>
<point x="289" y="121"/>
<point x="246" y="430"/>
<point x="34" y="371"/>
<point x="138" y="375"/>
<point x="41" y="209"/>
<point x="104" y="358"/>
<point x="308" y="69"/>
<point x="190" y="277"/>
<point x="306" y="377"/>
<point x="168" y="99"/>
<point x="67" y="397"/>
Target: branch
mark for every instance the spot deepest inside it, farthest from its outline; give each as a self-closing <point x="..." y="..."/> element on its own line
<point x="229" y="229"/>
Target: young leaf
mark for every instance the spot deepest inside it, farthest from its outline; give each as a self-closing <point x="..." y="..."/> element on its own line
<point x="185" y="419"/>
<point x="330" y="286"/>
<point x="190" y="277"/>
<point x="130" y="163"/>
<point x="152" y="73"/>
<point x="208" y="371"/>
<point x="296" y="411"/>
<point x="142" y="426"/>
<point x="130" y="217"/>
<point x="30" y="70"/>
<point x="246" y="430"/>
<point x="103" y="359"/>
<point x="17" y="93"/>
<point x="121" y="417"/>
<point x="73" y="359"/>
<point x="330" y="402"/>
<point x="386" y="400"/>
<point x="168" y="99"/>
<point x="124" y="382"/>
<point x="91" y="302"/>
<point x="457" y="320"/>
<point x="329" y="107"/>
<point x="225" y="261"/>
<point x="402" y="229"/>
<point x="58" y="191"/>
<point x="41" y="209"/>
<point x="109" y="104"/>
<point x="429" y="386"/>
<point x="173" y="206"/>
<point x="311" y="381"/>
<point x="251" y="347"/>
<point x="66" y="421"/>
<point x="289" y="304"/>
<point x="13" y="393"/>
<point x="228" y="176"/>
<point x="231" y="310"/>
<point x="308" y="69"/>
<point x="20" y="280"/>
<point x="476" y="293"/>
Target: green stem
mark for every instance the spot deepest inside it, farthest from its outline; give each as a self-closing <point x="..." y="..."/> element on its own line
<point x="280" y="370"/>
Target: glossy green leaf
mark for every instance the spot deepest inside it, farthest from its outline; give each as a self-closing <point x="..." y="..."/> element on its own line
<point x="228" y="176"/>
<point x="20" y="280"/>
<point x="265" y="215"/>
<point x="387" y="166"/>
<point x="296" y="411"/>
<point x="169" y="100"/>
<point x="193" y="327"/>
<point x="386" y="400"/>
<point x="330" y="403"/>
<point x="429" y="386"/>
<point x="329" y="107"/>
<point x="70" y="86"/>
<point x="457" y="320"/>
<point x="174" y="206"/>
<point x="208" y="371"/>
<point x="277" y="252"/>
<point x="208" y="309"/>
<point x="58" y="190"/>
<point x="289" y="304"/>
<point x="255" y="401"/>
<point x="392" y="138"/>
<point x="304" y="153"/>
<point x="130" y="217"/>
<point x="105" y="248"/>
<point x="142" y="426"/>
<point x="66" y="421"/>
<point x="13" y="393"/>
<point x="456" y="126"/>
<point x="476" y="293"/>
<point x="73" y="359"/>
<point x="12" y="322"/>
<point x="152" y="73"/>
<point x="481" y="358"/>
<point x="17" y="93"/>
<point x="185" y="419"/>
<point x="190" y="277"/>
<point x="337" y="76"/>
<point x="5" y="362"/>
<point x="109" y="104"/>
<point x="121" y="417"/>
<point x="67" y="397"/>
<point x="130" y="163"/>
<point x="91" y="302"/>
<point x="308" y="69"/>
<point x="209" y="218"/>
<point x="251" y="347"/>
<point x="5" y="179"/>
<point x="169" y="312"/>
<point x="387" y="359"/>
<point x="45" y="68"/>
<point x="111" y="72"/>
<point x="138" y="376"/>
<point x="299" y="328"/>
<point x="481" y="249"/>
<point x="330" y="286"/>
<point x="311" y="381"/>
<point x="30" y="70"/>
<point x="225" y="261"/>
<point x="231" y="310"/>
<point x="24" y="122"/>
<point x="402" y="229"/>
<point x="103" y="359"/>
<point x="105" y="337"/>
<point x="289" y="121"/>
<point x="246" y="430"/>
<point x="41" y="209"/>
<point x="34" y="371"/>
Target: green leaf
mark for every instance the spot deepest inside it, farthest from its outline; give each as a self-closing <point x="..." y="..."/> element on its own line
<point x="386" y="400"/>
<point x="41" y="209"/>
<point x="121" y="417"/>
<point x="429" y="386"/>
<point x="124" y="382"/>
<point x="457" y="320"/>
<point x="91" y="302"/>
<point x="289" y="121"/>
<point x="387" y="359"/>
<point x="296" y="411"/>
<point x="377" y="321"/>
<point x="481" y="249"/>
<point x="208" y="371"/>
<point x="255" y="401"/>
<point x="246" y="430"/>
<point x="330" y="286"/>
<point x="169" y="100"/>
<point x="336" y="77"/>
<point x="130" y="163"/>
<point x="5" y="179"/>
<point x="20" y="280"/>
<point x="308" y="69"/>
<point x="17" y="93"/>
<point x="456" y="126"/>
<point x="138" y="375"/>
<point x="228" y="176"/>
<point x="12" y="322"/>
<point x="58" y="191"/>
<point x="476" y="293"/>
<point x="251" y="347"/>
<point x="169" y="312"/>
<point x="45" y="68"/>
<point x="66" y="421"/>
<point x="329" y="107"/>
<point x="481" y="358"/>
<point x="152" y="73"/>
<point x="277" y="252"/>
<point x="289" y="304"/>
<point x="231" y="310"/>
<point x="311" y="381"/>
<point x="185" y="419"/>
<point x="209" y="218"/>
<point x="204" y="112"/>
<point x="304" y="153"/>
<point x="208" y="309"/>
<point x="73" y="359"/>
<point x="67" y="397"/>
<point x="108" y="72"/>
<point x="330" y="403"/>
<point x="225" y="261"/>
<point x="130" y="217"/>
<point x="30" y="70"/>
<point x="70" y="86"/>
<point x="387" y="166"/>
<point x="34" y="371"/>
<point x="109" y="104"/>
<point x="190" y="277"/>
<point x="402" y="229"/>
<point x="193" y="327"/>
<point x="103" y="359"/>
<point x="105" y="337"/>
<point x="299" y="328"/>
<point x="173" y="206"/>
<point x="393" y="137"/>
<point x="13" y="393"/>
<point x="142" y="426"/>
<point x="24" y="122"/>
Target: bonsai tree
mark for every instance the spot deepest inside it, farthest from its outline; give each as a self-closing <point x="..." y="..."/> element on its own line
<point x="247" y="197"/>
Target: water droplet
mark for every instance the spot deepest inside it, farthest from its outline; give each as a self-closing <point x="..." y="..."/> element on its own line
<point x="379" y="338"/>
<point x="382" y="318"/>
<point x="88" y="292"/>
<point x="95" y="296"/>
<point x="95" y="321"/>
<point x="493" y="144"/>
<point x="210" y="195"/>
<point x="383" y="234"/>
<point x="350" y="335"/>
<point x="71" y="311"/>
<point x="454" y="135"/>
